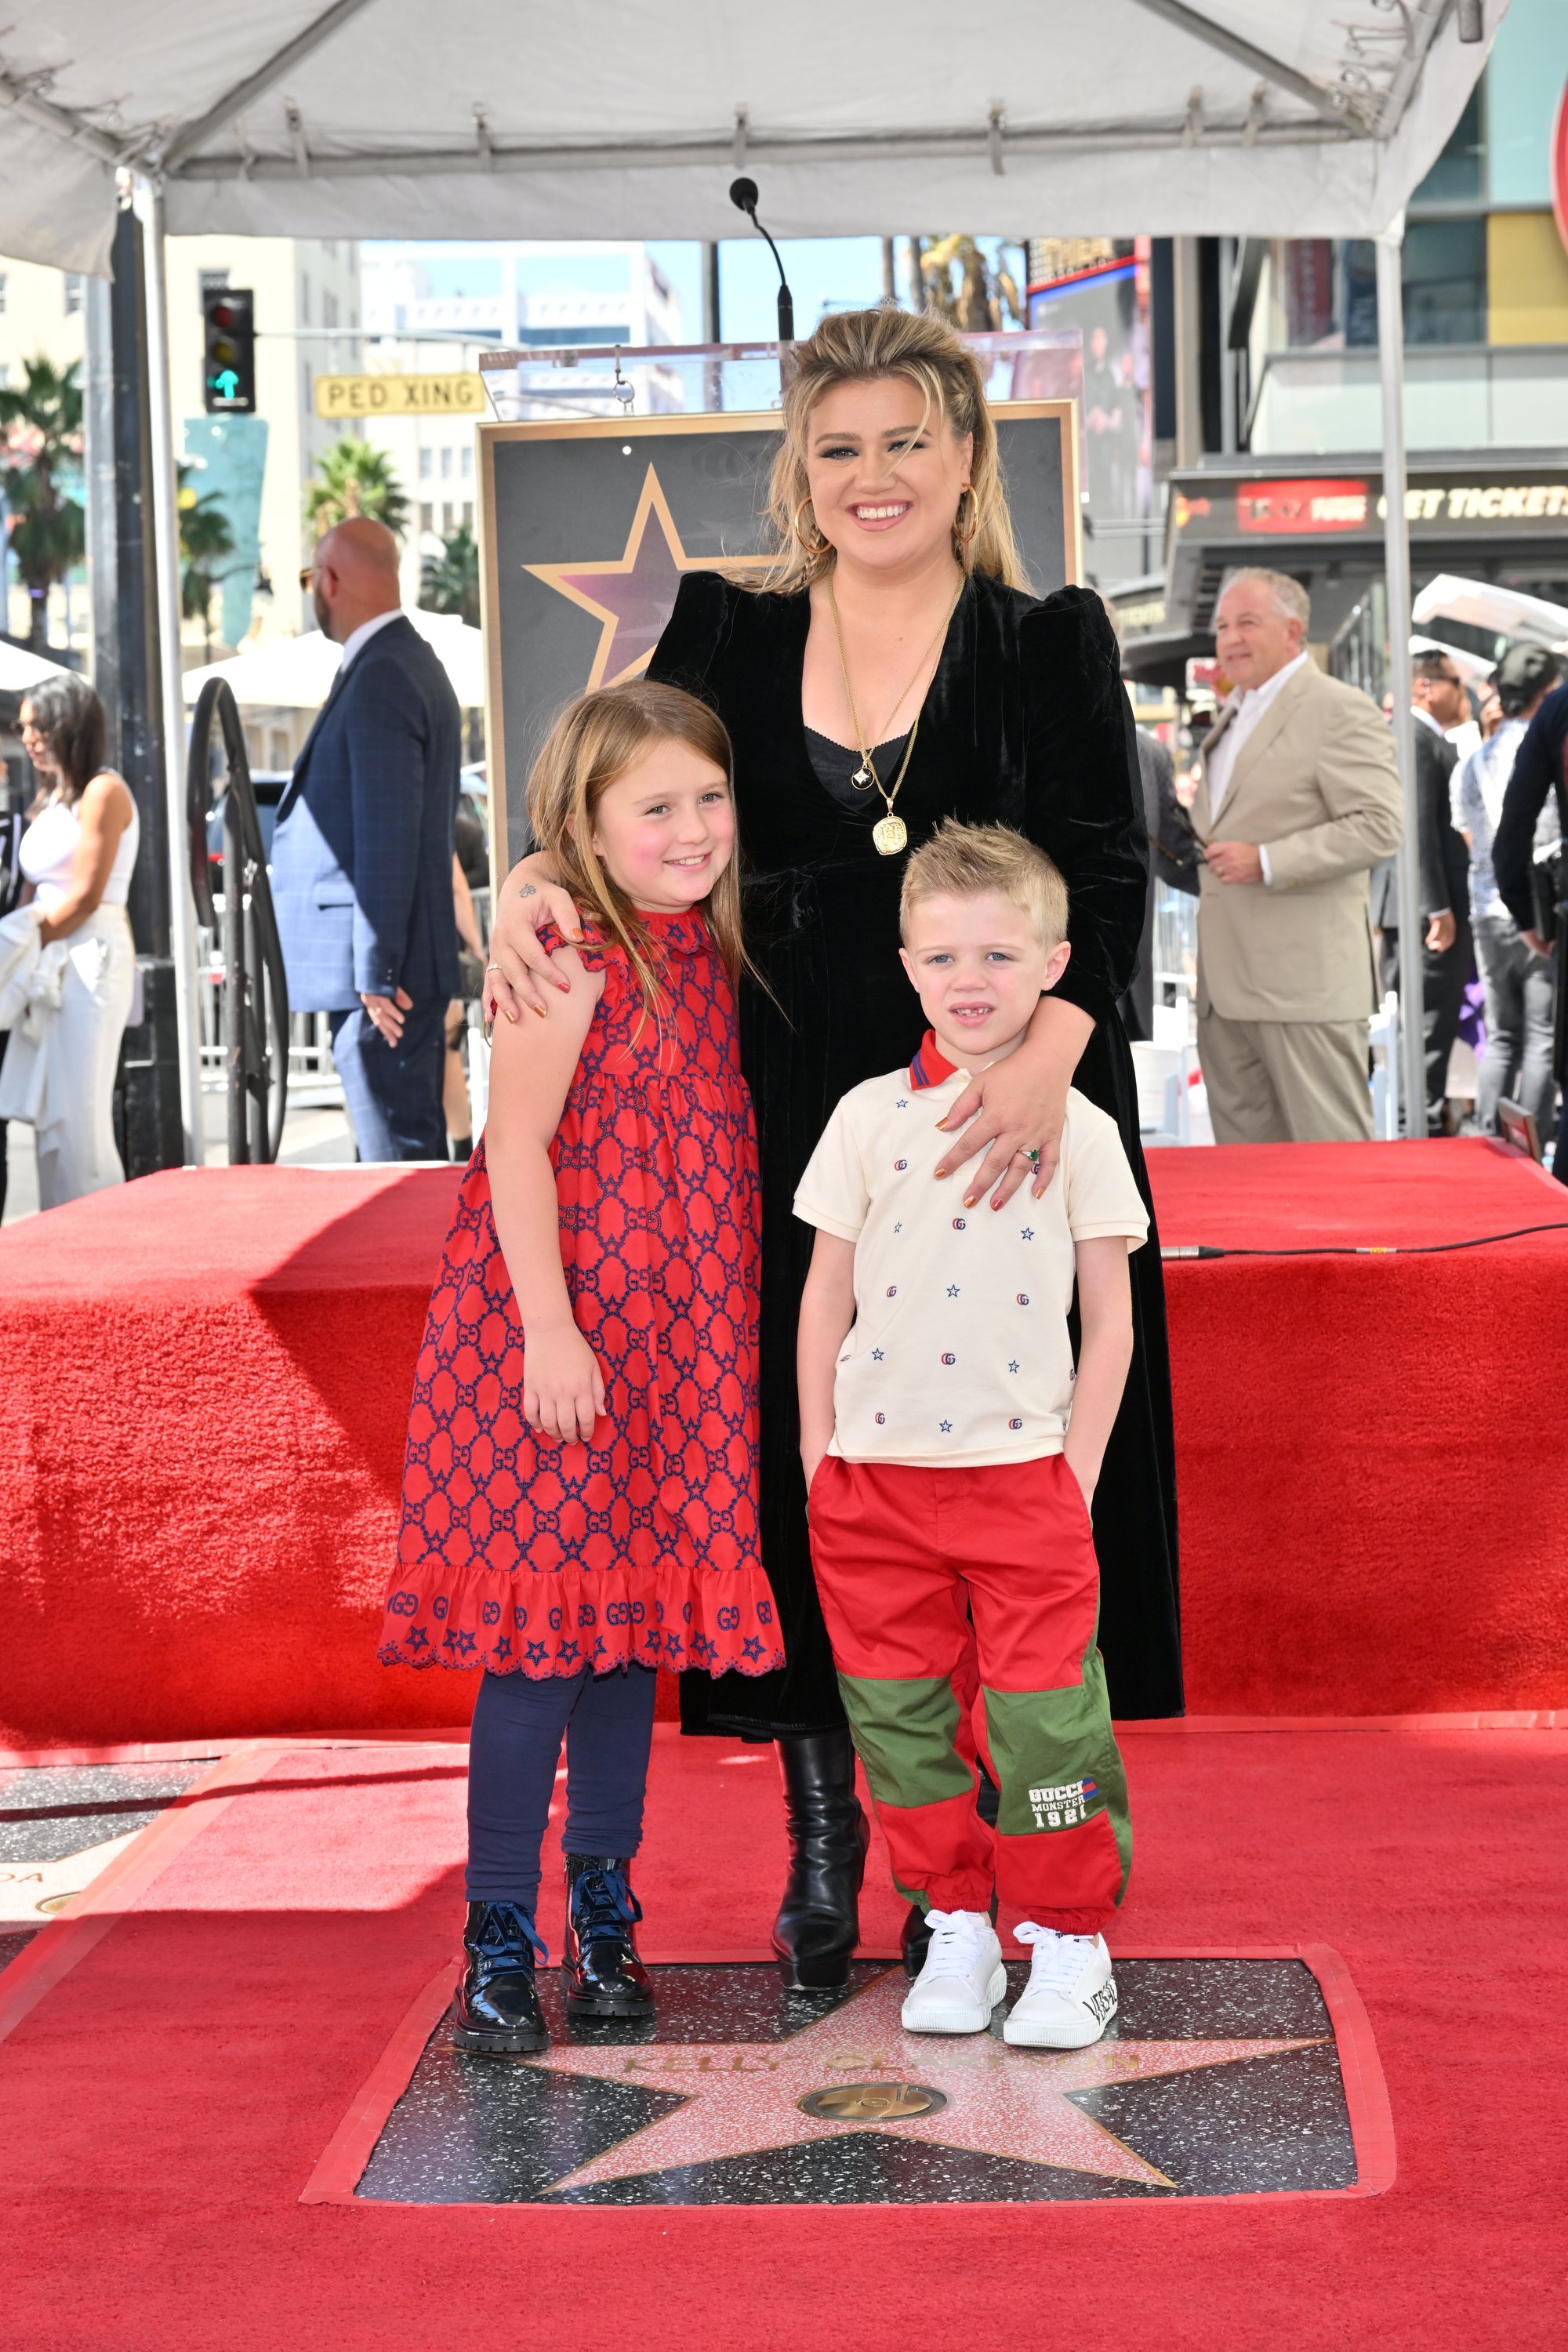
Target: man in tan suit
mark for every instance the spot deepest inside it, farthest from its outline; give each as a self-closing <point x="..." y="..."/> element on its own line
<point x="1298" y="797"/>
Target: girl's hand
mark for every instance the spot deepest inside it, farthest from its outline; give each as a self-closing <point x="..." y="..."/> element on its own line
<point x="562" y="1387"/>
<point x="1017" y="1107"/>
<point x="519" y="974"/>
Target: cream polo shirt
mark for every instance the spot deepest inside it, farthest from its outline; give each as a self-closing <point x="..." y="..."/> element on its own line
<point x="959" y="1351"/>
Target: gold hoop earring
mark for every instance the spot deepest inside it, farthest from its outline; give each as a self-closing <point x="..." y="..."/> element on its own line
<point x="966" y="537"/>
<point x="812" y="546"/>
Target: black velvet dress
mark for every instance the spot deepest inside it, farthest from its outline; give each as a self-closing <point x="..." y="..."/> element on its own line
<point x="1026" y="723"/>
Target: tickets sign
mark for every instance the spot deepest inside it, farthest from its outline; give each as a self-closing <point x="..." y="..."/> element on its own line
<point x="343" y="397"/>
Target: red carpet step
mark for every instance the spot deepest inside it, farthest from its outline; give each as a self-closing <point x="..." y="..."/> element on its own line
<point x="208" y="1375"/>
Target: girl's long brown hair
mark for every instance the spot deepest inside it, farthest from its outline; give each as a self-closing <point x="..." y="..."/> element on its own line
<point x="595" y="739"/>
<point x="854" y="347"/>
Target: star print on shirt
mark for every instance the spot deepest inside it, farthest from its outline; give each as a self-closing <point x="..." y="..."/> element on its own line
<point x="899" y="1227"/>
<point x="952" y="1290"/>
<point x="945" y="1427"/>
<point x="1012" y="1368"/>
<point x="902" y="1103"/>
<point x="1027" y="1235"/>
<point x="876" y="1355"/>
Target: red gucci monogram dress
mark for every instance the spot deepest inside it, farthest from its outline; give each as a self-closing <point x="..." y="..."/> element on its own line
<point x="524" y="1555"/>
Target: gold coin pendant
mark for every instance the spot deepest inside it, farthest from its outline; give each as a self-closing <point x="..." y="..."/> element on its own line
<point x="889" y="834"/>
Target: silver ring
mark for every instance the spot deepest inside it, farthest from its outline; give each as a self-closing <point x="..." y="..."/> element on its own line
<point x="492" y="967"/>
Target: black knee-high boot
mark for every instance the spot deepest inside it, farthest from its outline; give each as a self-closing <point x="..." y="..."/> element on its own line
<point x="818" y="1924"/>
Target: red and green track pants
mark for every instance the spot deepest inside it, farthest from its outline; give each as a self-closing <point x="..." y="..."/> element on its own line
<point x="963" y="1605"/>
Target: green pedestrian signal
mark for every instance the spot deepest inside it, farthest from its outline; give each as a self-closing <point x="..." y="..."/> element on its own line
<point x="228" y="376"/>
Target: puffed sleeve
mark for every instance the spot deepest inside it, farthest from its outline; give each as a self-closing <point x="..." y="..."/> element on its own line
<point x="693" y="634"/>
<point x="1083" y="802"/>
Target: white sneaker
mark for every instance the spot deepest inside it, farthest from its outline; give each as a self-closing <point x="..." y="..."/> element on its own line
<point x="962" y="1978"/>
<point x="1070" y="1997"/>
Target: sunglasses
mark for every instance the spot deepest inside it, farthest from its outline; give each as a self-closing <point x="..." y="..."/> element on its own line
<point x="308" y="573"/>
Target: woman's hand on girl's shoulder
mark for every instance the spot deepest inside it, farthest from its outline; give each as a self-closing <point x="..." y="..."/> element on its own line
<point x="522" y="975"/>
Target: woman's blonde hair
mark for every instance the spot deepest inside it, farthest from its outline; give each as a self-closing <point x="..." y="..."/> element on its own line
<point x="856" y="347"/>
<point x="597" y="738"/>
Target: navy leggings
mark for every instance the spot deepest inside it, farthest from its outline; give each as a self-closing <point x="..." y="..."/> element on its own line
<point x="513" y="1749"/>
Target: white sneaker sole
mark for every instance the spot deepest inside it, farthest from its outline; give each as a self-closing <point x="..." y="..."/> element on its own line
<point x="1077" y="2032"/>
<point x="933" y="2015"/>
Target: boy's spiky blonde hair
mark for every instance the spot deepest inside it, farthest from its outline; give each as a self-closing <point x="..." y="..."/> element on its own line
<point x="962" y="860"/>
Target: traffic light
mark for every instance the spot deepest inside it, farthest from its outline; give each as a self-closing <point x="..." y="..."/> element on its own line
<point x="228" y="372"/>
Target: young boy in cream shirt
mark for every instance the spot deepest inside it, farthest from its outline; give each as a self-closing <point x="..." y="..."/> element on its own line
<point x="951" y="1448"/>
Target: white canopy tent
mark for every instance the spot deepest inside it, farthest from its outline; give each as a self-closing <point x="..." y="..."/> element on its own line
<point x="1260" y="118"/>
<point x="297" y="673"/>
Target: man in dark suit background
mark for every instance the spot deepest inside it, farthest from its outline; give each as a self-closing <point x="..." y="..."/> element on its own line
<point x="1440" y="701"/>
<point x="1173" y="857"/>
<point x="362" y="858"/>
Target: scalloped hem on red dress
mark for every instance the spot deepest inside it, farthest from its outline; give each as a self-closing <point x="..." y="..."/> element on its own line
<point x="559" y="1621"/>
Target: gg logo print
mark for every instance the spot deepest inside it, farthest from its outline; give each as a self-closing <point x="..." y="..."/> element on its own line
<point x="879" y="1419"/>
<point x="959" y="1225"/>
<point x="1023" y="1298"/>
<point x="901" y="1164"/>
<point x="1015" y="1422"/>
<point x="950" y="1359"/>
<point x="892" y="1290"/>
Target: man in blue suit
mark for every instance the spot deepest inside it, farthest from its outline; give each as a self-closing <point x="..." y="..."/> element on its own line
<point x="362" y="858"/>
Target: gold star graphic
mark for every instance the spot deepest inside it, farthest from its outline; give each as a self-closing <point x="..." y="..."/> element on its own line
<point x="742" y="2099"/>
<point x="633" y="594"/>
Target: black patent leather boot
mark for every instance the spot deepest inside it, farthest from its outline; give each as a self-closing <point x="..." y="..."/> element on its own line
<point x="818" y="1924"/>
<point x="602" y="1975"/>
<point x="497" y="2007"/>
<point x="916" y="1936"/>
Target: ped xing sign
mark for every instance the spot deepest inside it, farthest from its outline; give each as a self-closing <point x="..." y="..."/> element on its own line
<point x="462" y="395"/>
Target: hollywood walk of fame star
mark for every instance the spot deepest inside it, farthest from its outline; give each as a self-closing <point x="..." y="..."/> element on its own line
<point x="632" y="594"/>
<point x="742" y="2098"/>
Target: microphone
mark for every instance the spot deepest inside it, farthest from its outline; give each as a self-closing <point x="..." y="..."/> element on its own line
<point x="743" y="197"/>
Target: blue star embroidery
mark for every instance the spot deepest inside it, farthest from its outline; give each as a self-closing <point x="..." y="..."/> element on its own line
<point x="465" y="1644"/>
<point x="876" y="1355"/>
<point x="569" y="1651"/>
<point x="952" y="1290"/>
<point x="416" y="1638"/>
<point x="1012" y="1368"/>
<point x="503" y="1646"/>
<point x="599" y="1647"/>
<point x="1027" y="1235"/>
<point x="902" y="1103"/>
<point x="751" y="1647"/>
<point x="536" y="1654"/>
<point x="945" y="1427"/>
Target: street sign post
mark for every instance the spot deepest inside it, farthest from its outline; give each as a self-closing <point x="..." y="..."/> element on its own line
<point x="347" y="397"/>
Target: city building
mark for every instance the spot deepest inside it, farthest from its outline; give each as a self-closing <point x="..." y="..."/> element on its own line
<point x="1275" y="450"/>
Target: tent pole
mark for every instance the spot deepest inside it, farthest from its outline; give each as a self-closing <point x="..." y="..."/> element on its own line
<point x="149" y="206"/>
<point x="1396" y="570"/>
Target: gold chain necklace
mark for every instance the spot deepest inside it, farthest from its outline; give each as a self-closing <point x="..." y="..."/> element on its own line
<point x="889" y="833"/>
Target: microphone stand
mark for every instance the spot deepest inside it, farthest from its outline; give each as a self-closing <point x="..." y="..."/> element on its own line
<point x="743" y="197"/>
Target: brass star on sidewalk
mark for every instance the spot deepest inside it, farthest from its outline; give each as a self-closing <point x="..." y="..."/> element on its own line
<point x="633" y="593"/>
<point x="743" y="2098"/>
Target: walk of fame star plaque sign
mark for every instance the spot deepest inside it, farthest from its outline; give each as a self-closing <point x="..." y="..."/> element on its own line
<point x="587" y="526"/>
<point x="1221" y="2076"/>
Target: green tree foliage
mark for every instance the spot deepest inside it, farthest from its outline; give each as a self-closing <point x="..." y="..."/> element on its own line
<point x="205" y="540"/>
<point x="450" y="583"/>
<point x="353" y="478"/>
<point x="40" y="436"/>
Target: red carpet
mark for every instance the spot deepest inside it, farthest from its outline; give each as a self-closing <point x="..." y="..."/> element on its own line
<point x="165" y="2101"/>
<point x="208" y="1375"/>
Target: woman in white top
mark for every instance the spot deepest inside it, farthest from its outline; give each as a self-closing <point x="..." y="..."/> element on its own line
<point x="76" y="857"/>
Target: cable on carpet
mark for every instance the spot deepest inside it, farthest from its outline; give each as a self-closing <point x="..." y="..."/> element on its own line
<point x="1363" y="1249"/>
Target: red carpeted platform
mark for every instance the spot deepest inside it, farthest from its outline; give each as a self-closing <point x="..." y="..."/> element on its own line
<point x="208" y="1373"/>
<point x="175" y="2062"/>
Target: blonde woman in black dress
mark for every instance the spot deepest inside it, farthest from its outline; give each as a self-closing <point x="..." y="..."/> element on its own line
<point x="895" y="669"/>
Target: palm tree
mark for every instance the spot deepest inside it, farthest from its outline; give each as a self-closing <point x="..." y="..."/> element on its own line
<point x="450" y="583"/>
<point x="40" y="434"/>
<point x="204" y="539"/>
<point x="983" y="295"/>
<point x="355" y="478"/>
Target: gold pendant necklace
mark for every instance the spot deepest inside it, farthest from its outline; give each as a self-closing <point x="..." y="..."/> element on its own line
<point x="889" y="834"/>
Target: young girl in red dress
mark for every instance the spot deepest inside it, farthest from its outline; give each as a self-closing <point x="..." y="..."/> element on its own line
<point x="579" y="1498"/>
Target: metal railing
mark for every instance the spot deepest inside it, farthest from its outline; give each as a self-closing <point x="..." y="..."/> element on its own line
<point x="250" y="997"/>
